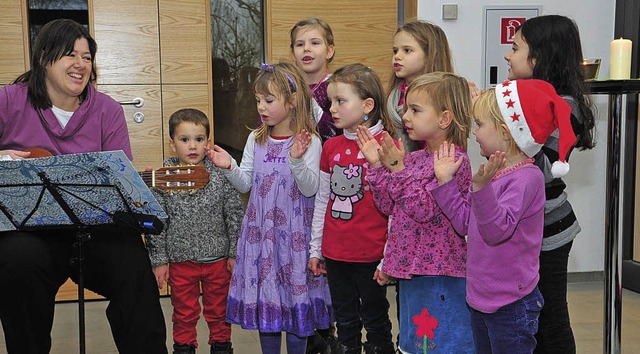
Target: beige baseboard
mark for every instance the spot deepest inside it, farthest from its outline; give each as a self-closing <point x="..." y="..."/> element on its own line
<point x="583" y="277"/>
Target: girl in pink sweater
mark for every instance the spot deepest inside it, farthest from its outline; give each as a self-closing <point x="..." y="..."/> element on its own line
<point x="424" y="251"/>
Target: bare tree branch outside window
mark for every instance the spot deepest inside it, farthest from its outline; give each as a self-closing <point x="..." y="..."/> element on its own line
<point x="237" y="45"/>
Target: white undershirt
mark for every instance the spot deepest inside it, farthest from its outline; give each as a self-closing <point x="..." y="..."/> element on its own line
<point x="63" y="117"/>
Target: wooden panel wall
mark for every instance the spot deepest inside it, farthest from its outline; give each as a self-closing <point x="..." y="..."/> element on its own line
<point x="184" y="47"/>
<point x="185" y="56"/>
<point x="15" y="48"/>
<point x="363" y="30"/>
<point x="128" y="41"/>
<point x="175" y="97"/>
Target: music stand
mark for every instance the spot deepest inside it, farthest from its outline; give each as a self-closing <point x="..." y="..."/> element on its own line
<point x="76" y="191"/>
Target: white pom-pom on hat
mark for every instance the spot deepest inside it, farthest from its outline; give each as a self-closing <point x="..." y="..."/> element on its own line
<point x="559" y="169"/>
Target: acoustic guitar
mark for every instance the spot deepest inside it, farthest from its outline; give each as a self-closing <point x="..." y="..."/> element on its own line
<point x="165" y="178"/>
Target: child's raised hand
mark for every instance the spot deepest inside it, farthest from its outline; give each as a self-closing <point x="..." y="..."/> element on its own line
<point x="391" y="156"/>
<point x="219" y="157"/>
<point x="445" y="165"/>
<point x="300" y="145"/>
<point x="368" y="145"/>
<point x="486" y="171"/>
<point x="316" y="266"/>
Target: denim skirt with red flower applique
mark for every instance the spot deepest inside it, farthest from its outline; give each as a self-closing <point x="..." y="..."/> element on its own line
<point x="433" y="315"/>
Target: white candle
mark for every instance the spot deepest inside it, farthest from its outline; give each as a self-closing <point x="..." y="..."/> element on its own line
<point x="620" y="61"/>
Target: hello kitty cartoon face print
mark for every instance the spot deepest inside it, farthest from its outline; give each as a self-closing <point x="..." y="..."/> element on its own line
<point x="346" y="189"/>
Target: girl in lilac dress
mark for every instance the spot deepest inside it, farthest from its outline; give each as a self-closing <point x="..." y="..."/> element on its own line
<point x="271" y="289"/>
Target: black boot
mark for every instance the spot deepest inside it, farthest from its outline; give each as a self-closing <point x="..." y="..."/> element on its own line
<point x="349" y="349"/>
<point x="329" y="336"/>
<point x="332" y="344"/>
<point x="350" y="338"/>
<point x="184" y="349"/>
<point x="382" y="348"/>
<point x="317" y="345"/>
<point x="221" y="348"/>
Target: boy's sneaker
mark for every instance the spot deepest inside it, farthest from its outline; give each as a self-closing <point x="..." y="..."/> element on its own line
<point x="184" y="349"/>
<point x="221" y="348"/>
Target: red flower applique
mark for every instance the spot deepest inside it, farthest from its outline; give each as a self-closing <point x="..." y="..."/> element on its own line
<point x="426" y="324"/>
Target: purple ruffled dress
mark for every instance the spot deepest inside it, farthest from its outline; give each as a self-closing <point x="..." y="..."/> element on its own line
<point x="271" y="288"/>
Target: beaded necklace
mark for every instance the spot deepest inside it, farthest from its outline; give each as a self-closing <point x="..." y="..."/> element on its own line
<point x="512" y="168"/>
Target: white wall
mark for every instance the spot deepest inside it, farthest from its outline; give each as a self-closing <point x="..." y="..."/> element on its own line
<point x="586" y="181"/>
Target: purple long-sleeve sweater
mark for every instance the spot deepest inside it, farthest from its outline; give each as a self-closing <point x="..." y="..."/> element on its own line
<point x="97" y="125"/>
<point x="505" y="223"/>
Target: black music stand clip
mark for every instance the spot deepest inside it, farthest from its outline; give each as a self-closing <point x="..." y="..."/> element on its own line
<point x="78" y="192"/>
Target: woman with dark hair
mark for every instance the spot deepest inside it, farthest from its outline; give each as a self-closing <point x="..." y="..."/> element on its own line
<point x="53" y="106"/>
<point x="548" y="48"/>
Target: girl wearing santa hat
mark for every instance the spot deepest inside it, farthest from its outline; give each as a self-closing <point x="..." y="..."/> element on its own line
<point x="504" y="212"/>
<point x="548" y="48"/>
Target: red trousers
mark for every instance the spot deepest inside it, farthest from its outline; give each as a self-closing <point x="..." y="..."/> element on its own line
<point x="186" y="280"/>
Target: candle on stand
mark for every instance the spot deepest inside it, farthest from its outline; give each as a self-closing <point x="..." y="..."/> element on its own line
<point x="620" y="62"/>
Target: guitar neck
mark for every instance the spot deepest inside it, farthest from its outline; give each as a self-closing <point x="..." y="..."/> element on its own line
<point x="176" y="177"/>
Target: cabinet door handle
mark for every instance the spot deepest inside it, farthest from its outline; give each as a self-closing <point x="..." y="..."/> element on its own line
<point x="136" y="102"/>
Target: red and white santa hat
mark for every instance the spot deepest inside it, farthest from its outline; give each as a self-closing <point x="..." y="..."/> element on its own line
<point x="533" y="111"/>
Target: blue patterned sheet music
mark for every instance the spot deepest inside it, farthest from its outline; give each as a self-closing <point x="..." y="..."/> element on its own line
<point x="86" y="183"/>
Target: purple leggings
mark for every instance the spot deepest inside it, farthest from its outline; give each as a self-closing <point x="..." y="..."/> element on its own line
<point x="270" y="343"/>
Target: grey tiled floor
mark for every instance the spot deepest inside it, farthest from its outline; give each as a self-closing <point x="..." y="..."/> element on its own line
<point x="585" y="303"/>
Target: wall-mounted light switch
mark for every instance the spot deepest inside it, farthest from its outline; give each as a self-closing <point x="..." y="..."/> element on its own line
<point x="450" y="11"/>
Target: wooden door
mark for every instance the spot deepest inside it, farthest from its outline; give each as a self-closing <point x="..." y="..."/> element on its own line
<point x="185" y="57"/>
<point x="128" y="61"/>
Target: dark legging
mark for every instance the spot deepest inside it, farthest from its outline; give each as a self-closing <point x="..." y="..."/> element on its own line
<point x="359" y="301"/>
<point x="33" y="265"/>
<point x="554" y="328"/>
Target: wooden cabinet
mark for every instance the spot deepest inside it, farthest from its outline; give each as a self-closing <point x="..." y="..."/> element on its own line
<point x="185" y="41"/>
<point x="158" y="50"/>
<point x="128" y="63"/>
<point x="127" y="34"/>
<point x="147" y="139"/>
